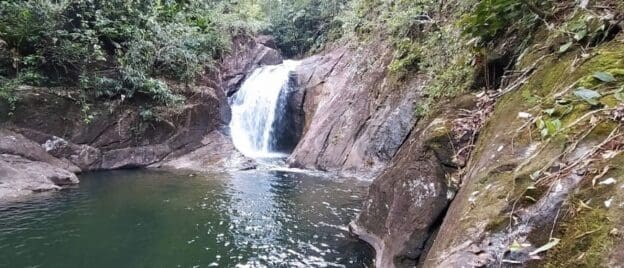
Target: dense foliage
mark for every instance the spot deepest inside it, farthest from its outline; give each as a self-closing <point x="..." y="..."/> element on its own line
<point x="423" y="41"/>
<point x="127" y="48"/>
<point x="117" y="47"/>
<point x="303" y="25"/>
<point x="494" y="17"/>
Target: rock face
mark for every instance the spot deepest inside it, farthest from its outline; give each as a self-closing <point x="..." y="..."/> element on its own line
<point x="117" y="137"/>
<point x="409" y="198"/>
<point x="217" y="153"/>
<point x="360" y="120"/>
<point x="355" y="118"/>
<point x="20" y="176"/>
<point x="48" y="140"/>
<point x="246" y="55"/>
<point x="26" y="167"/>
<point x="522" y="191"/>
<point x="52" y="132"/>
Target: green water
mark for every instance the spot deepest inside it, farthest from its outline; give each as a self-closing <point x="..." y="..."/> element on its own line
<point x="158" y="219"/>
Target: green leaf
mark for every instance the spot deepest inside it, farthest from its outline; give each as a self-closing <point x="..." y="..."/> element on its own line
<point x="604" y="77"/>
<point x="565" y="47"/>
<point x="550" y="111"/>
<point x="619" y="96"/>
<point x="578" y="36"/>
<point x="553" y="126"/>
<point x="588" y="95"/>
<point x="551" y="244"/>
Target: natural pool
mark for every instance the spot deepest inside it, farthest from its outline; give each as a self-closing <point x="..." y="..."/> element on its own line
<point x="142" y="218"/>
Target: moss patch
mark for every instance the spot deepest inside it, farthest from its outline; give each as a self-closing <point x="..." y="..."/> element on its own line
<point x="585" y="239"/>
<point x="586" y="231"/>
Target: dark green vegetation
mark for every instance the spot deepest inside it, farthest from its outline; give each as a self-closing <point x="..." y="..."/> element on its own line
<point x="303" y="25"/>
<point x="112" y="48"/>
<point x="136" y="49"/>
<point x="157" y="219"/>
<point x="122" y="49"/>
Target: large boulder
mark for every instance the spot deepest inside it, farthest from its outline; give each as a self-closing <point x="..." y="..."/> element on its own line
<point x="12" y="143"/>
<point x="407" y="201"/>
<point x="216" y="154"/>
<point x="20" y="176"/>
<point x="26" y="167"/>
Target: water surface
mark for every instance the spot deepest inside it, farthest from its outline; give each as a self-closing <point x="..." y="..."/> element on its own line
<point x="158" y="219"/>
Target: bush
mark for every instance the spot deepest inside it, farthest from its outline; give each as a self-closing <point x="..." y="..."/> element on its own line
<point x="7" y="95"/>
<point x="407" y="55"/>
<point x="493" y="17"/>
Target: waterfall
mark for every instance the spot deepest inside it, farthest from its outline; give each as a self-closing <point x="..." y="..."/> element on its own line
<point x="258" y="109"/>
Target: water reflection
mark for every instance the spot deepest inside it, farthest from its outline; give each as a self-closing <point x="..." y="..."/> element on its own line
<point x="156" y="219"/>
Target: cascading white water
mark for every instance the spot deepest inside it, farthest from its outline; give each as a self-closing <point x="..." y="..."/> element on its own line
<point x="257" y="106"/>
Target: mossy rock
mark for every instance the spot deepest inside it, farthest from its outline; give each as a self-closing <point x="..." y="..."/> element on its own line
<point x="589" y="229"/>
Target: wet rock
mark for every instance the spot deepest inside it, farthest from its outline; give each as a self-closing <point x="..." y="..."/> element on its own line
<point x="15" y="144"/>
<point x="288" y="130"/>
<point x="406" y="202"/>
<point x="216" y="153"/>
<point x="20" y="176"/>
